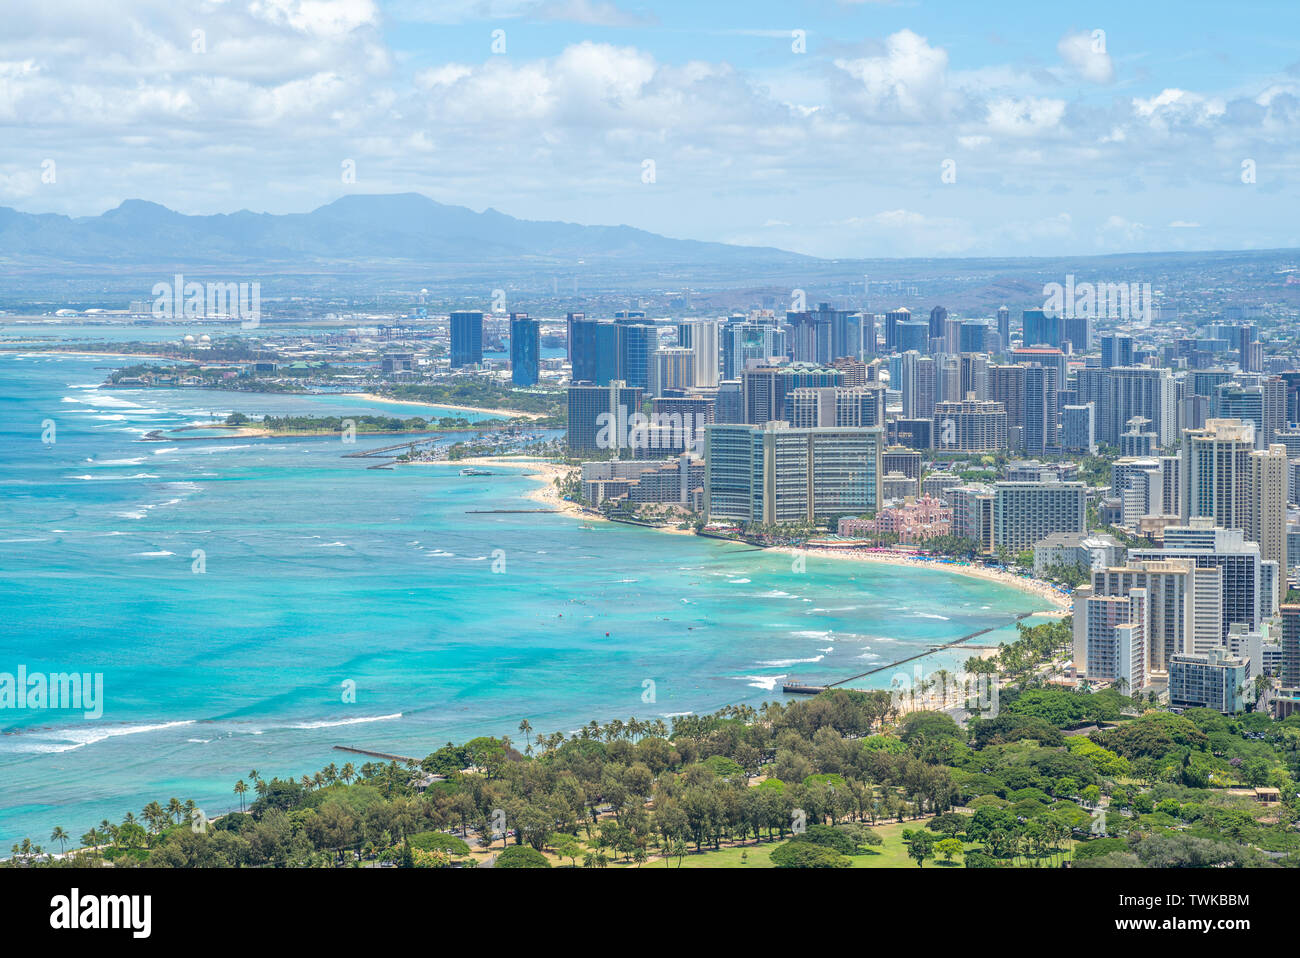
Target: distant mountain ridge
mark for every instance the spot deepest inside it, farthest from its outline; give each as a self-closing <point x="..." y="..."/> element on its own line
<point x="369" y="229"/>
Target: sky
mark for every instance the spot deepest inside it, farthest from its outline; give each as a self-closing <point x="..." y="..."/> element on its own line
<point x="837" y="128"/>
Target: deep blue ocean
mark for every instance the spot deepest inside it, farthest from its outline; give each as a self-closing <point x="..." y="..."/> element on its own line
<point x="321" y="572"/>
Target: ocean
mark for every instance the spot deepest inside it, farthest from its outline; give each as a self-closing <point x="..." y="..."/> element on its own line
<point x="251" y="603"/>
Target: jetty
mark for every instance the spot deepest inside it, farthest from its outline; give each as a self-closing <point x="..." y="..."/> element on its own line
<point x="507" y="512"/>
<point x="799" y="688"/>
<point x="403" y="759"/>
<point x="366" y="453"/>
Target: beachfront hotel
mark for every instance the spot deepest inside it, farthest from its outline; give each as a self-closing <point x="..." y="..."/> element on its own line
<point x="776" y="473"/>
<point x="1027" y="512"/>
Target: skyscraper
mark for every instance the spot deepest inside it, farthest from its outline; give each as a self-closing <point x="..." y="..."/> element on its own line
<point x="1116" y="350"/>
<point x="1040" y="420"/>
<point x="637" y="341"/>
<point x="892" y="319"/>
<point x="1226" y="550"/>
<point x="1040" y="328"/>
<point x="1025" y="512"/>
<point x="466" y="339"/>
<point x="569" y="319"/>
<point x="598" y="416"/>
<point x="1004" y="329"/>
<point x="938" y="322"/>
<point x="704" y="339"/>
<point x="744" y="343"/>
<point x="1223" y="477"/>
<point x="525" y="350"/>
<point x="776" y="473"/>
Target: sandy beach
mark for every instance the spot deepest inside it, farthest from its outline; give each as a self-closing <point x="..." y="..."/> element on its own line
<point x="546" y="472"/>
<point x="502" y="413"/>
<point x="1059" y="603"/>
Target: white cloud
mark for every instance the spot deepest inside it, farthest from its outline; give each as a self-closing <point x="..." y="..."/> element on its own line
<point x="1084" y="52"/>
<point x="1030" y="116"/>
<point x="909" y="80"/>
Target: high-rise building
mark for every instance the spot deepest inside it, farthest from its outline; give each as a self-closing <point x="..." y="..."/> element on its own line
<point x="972" y="514"/>
<point x="704" y="344"/>
<point x="892" y="319"/>
<point x="671" y="368"/>
<point x="1128" y="391"/>
<point x="1040" y="328"/>
<point x="599" y="416"/>
<point x="1078" y="431"/>
<point x="810" y="337"/>
<point x="1116" y="350"/>
<point x="972" y="337"/>
<point x="1007" y="386"/>
<point x="970" y="425"/>
<point x="776" y="473"/>
<point x="918" y="384"/>
<point x="1115" y="629"/>
<point x="974" y="376"/>
<point x="1004" y="329"/>
<point x="1171" y="586"/>
<point x="1290" y="672"/>
<point x="637" y="342"/>
<point x="1025" y="512"/>
<point x="1078" y="333"/>
<point x="766" y="389"/>
<point x="1224" y="477"/>
<point x="569" y="320"/>
<point x="1236" y="559"/>
<point x="1040" y="418"/>
<point x="589" y="361"/>
<point x="812" y="406"/>
<point x="525" y="350"/>
<point x="748" y="343"/>
<point x="938" y="322"/>
<point x="466" y="339"/>
<point x="1214" y="680"/>
<point x="1262" y="402"/>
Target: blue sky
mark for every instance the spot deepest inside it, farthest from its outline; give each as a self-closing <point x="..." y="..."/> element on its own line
<point x="898" y="129"/>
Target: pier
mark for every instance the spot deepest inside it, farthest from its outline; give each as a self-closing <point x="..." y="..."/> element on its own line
<point x="799" y="688"/>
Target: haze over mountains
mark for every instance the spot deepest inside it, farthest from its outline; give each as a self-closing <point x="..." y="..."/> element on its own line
<point x="362" y="229"/>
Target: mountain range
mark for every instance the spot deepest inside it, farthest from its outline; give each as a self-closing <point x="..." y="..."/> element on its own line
<point x="357" y="229"/>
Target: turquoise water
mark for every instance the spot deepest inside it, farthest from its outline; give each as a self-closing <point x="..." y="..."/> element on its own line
<point x="320" y="571"/>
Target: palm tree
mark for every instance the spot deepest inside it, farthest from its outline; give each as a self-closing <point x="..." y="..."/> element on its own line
<point x="60" y="836"/>
<point x="525" y="729"/>
<point x="175" y="809"/>
<point x="240" y="789"/>
<point x="348" y="773"/>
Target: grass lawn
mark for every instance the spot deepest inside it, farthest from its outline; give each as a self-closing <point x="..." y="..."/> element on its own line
<point x="892" y="854"/>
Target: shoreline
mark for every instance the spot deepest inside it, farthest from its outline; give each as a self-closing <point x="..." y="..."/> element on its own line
<point x="546" y="494"/>
<point x="1061" y="604"/>
<point x="367" y="397"/>
<point x="505" y="413"/>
